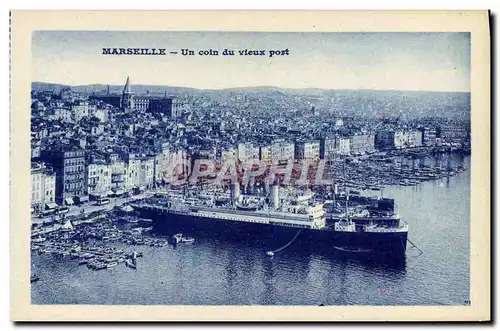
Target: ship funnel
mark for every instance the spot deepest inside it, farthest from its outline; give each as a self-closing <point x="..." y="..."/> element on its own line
<point x="235" y="191"/>
<point x="266" y="185"/>
<point x="275" y="196"/>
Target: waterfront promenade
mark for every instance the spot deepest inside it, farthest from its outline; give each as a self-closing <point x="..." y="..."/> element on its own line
<point x="92" y="207"/>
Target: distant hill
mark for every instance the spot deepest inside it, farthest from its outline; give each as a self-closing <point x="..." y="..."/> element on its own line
<point x="160" y="89"/>
<point x="355" y="102"/>
<point x="101" y="88"/>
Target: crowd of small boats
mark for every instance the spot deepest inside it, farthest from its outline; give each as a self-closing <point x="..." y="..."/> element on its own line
<point x="376" y="172"/>
<point x="94" y="245"/>
<point x="95" y="258"/>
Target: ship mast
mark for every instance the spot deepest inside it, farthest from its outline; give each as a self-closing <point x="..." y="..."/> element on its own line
<point x="346" y="193"/>
<point x="334" y="183"/>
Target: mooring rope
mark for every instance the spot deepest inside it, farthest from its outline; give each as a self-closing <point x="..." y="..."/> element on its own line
<point x="282" y="248"/>
<point x="421" y="252"/>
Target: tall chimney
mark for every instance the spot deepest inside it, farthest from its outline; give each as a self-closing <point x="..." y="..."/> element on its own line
<point x="275" y="196"/>
<point x="266" y="185"/>
<point x="235" y="191"/>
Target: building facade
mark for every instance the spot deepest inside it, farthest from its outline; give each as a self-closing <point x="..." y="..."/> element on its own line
<point x="146" y="172"/>
<point x="307" y="150"/>
<point x="247" y="151"/>
<point x="43" y="186"/>
<point x="344" y="146"/>
<point x="99" y="179"/>
<point x="227" y="154"/>
<point x="69" y="165"/>
<point x="49" y="181"/>
<point x="328" y="148"/>
<point x="452" y="134"/>
<point x="63" y="114"/>
<point x="407" y="139"/>
<point x="265" y="154"/>
<point x="282" y="151"/>
<point x="362" y="143"/>
<point x="118" y="174"/>
<point x="101" y="114"/>
<point x="428" y="136"/>
<point x="414" y="138"/>
<point x="133" y="169"/>
<point x="80" y="109"/>
<point x="398" y="139"/>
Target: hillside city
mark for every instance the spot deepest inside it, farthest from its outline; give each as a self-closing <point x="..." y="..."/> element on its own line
<point x="87" y="145"/>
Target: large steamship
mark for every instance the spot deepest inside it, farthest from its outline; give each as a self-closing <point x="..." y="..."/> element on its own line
<point x="343" y="223"/>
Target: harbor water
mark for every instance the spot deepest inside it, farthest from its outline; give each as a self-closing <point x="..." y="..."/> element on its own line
<point x="213" y="271"/>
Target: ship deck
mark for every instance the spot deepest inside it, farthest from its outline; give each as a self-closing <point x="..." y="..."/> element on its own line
<point x="265" y="217"/>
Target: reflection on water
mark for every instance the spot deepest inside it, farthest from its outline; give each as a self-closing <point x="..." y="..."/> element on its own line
<point x="221" y="272"/>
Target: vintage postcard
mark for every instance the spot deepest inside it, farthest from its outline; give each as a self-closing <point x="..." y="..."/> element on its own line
<point x="250" y="166"/>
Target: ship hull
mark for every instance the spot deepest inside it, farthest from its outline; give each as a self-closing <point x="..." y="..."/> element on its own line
<point x="317" y="240"/>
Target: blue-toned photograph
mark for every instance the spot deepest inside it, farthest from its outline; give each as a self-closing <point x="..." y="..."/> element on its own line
<point x="250" y="168"/>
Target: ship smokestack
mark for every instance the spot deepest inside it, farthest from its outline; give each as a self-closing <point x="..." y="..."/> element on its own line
<point x="251" y="187"/>
<point x="275" y="196"/>
<point x="235" y="191"/>
<point x="266" y="185"/>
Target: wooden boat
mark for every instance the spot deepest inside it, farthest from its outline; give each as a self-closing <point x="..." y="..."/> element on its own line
<point x="112" y="265"/>
<point x="129" y="263"/>
<point x="187" y="240"/>
<point x="180" y="239"/>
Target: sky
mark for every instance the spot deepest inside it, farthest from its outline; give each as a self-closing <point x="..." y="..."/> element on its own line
<point x="379" y="61"/>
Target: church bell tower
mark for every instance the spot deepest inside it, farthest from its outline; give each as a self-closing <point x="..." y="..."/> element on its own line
<point x="127" y="97"/>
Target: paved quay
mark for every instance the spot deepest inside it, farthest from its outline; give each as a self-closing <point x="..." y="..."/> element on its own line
<point x="92" y="207"/>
